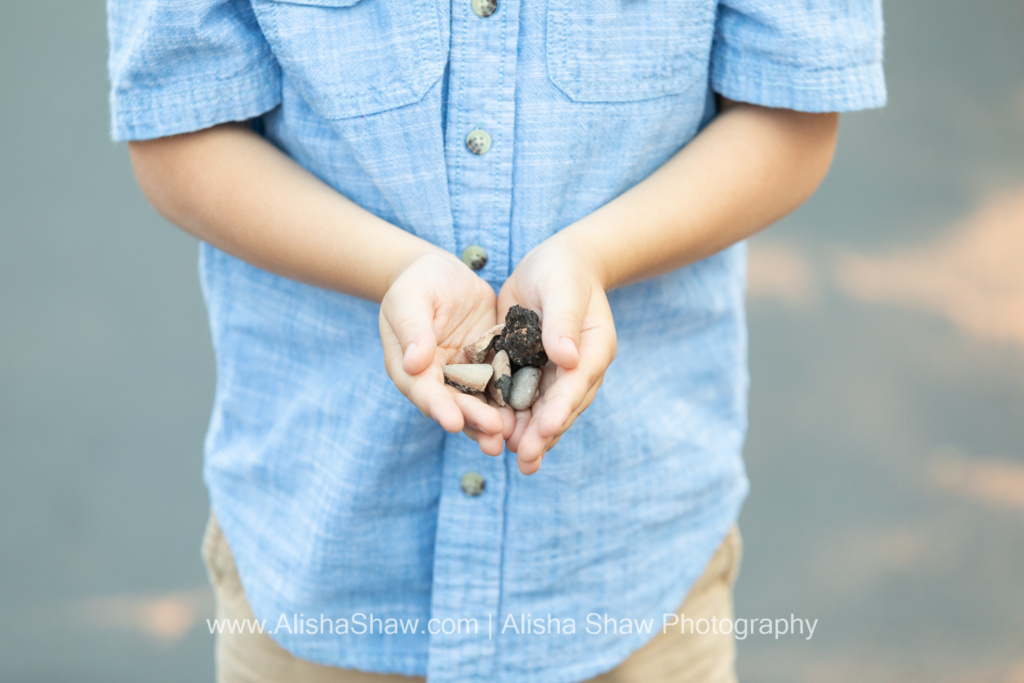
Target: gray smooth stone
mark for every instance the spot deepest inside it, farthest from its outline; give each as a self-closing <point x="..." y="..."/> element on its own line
<point x="525" y="386"/>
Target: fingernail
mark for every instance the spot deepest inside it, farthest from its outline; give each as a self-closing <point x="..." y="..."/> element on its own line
<point x="410" y="348"/>
<point x="568" y="343"/>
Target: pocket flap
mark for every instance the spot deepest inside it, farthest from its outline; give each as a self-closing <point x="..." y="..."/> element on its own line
<point x="356" y="57"/>
<point x="319" y="3"/>
<point x="624" y="50"/>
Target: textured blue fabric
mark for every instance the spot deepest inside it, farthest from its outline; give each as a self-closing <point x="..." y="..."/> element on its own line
<point x="335" y="494"/>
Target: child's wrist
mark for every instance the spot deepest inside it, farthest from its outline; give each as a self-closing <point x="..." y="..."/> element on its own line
<point x="574" y="241"/>
<point x="413" y="253"/>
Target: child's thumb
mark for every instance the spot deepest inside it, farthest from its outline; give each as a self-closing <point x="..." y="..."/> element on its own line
<point x="412" y="320"/>
<point x="563" y="317"/>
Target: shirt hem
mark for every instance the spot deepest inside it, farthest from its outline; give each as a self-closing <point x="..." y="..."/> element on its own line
<point x="726" y="515"/>
<point x="144" y="115"/>
<point x="847" y="88"/>
<point x="615" y="656"/>
<point x="412" y="665"/>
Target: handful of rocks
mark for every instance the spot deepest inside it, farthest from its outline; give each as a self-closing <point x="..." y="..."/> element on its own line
<point x="512" y="375"/>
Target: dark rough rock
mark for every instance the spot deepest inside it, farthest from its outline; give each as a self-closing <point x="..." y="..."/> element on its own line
<point x="521" y="339"/>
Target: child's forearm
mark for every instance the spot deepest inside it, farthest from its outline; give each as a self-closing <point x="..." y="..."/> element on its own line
<point x="748" y="168"/>
<point x="231" y="188"/>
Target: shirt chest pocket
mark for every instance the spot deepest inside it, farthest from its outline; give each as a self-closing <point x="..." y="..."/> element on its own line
<point x="624" y="50"/>
<point x="356" y="57"/>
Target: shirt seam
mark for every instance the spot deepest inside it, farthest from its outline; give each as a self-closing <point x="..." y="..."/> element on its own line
<point x="500" y="126"/>
<point x="733" y="55"/>
<point x="199" y="83"/>
<point x="459" y="139"/>
<point x="254" y="81"/>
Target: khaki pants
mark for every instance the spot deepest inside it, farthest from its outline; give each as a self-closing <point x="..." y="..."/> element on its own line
<point x="670" y="657"/>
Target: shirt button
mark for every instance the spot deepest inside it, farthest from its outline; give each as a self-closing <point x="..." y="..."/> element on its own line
<point x="478" y="141"/>
<point x="485" y="8"/>
<point x="472" y="483"/>
<point x="474" y="256"/>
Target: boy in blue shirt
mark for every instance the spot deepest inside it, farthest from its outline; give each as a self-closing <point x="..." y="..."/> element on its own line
<point x="598" y="163"/>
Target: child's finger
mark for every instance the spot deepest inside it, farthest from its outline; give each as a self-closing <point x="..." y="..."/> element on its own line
<point x="568" y="394"/>
<point x="533" y="444"/>
<point x="548" y="375"/>
<point x="529" y="466"/>
<point x="440" y="405"/>
<point x="552" y="439"/>
<point x="563" y="397"/>
<point x="411" y="319"/>
<point x="508" y="417"/>
<point x="532" y="447"/>
<point x="522" y="420"/>
<point x="563" y="309"/>
<point x="490" y="444"/>
<point x="434" y="399"/>
<point x="479" y="415"/>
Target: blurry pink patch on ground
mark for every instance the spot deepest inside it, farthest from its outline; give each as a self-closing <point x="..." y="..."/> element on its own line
<point x="780" y="272"/>
<point x="974" y="277"/>
<point x="1016" y="674"/>
<point x="853" y="564"/>
<point x="995" y="481"/>
<point x="165" y="618"/>
<point x="880" y="666"/>
<point x="1018" y="110"/>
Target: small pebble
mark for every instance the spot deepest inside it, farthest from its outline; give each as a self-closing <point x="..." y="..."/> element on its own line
<point x="525" y="388"/>
<point x="477" y="351"/>
<point x="500" y="386"/>
<point x="468" y="378"/>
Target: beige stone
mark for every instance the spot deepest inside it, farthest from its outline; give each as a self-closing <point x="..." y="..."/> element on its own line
<point x="477" y="350"/>
<point x="500" y="386"/>
<point x="468" y="377"/>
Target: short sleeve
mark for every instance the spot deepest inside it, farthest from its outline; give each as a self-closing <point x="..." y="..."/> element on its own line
<point x="807" y="55"/>
<point x="178" y="66"/>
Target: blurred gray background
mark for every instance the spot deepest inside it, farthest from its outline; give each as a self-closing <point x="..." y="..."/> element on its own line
<point x="886" y="447"/>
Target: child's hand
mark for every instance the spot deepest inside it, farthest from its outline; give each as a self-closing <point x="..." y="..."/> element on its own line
<point x="578" y="333"/>
<point x="434" y="307"/>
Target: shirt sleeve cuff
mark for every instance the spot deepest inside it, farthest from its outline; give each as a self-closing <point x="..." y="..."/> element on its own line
<point x="142" y="114"/>
<point x="754" y="81"/>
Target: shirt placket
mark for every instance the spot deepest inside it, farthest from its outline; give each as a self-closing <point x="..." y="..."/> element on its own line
<point x="466" y="590"/>
<point x="480" y="127"/>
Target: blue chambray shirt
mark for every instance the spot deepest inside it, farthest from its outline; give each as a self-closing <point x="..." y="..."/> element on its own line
<point x="337" y="497"/>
